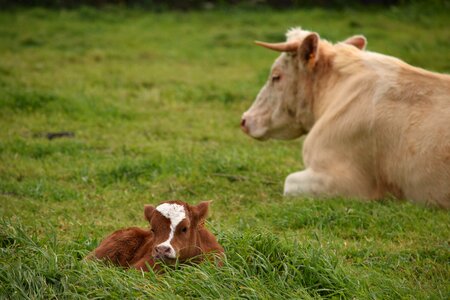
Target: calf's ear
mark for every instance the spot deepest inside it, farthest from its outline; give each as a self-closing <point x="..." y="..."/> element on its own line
<point x="148" y="212"/>
<point x="201" y="210"/>
<point x="308" y="50"/>
<point x="359" y="41"/>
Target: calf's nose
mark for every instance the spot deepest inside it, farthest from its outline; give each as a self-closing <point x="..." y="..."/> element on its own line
<point x="162" y="249"/>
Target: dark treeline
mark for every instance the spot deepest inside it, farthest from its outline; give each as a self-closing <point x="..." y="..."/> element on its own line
<point x="200" y="4"/>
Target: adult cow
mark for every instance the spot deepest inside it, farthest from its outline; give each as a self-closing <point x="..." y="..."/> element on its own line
<point x="375" y="124"/>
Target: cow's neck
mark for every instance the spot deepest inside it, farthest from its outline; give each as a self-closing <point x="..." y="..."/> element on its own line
<point x="320" y="96"/>
<point x="195" y="248"/>
<point x="325" y="94"/>
<point x="314" y="86"/>
<point x="203" y="242"/>
<point x="335" y="84"/>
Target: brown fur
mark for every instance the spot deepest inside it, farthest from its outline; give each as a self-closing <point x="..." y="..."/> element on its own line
<point x="135" y="247"/>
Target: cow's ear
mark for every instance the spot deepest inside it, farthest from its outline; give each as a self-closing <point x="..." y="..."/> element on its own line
<point x="359" y="41"/>
<point x="201" y="210"/>
<point x="148" y="212"/>
<point x="309" y="50"/>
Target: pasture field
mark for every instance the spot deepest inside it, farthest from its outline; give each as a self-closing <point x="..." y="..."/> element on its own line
<point x="154" y="101"/>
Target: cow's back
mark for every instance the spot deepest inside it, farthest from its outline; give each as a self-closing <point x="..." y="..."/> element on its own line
<point x="122" y="246"/>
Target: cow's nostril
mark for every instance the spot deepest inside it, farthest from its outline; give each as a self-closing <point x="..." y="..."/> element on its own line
<point x="244" y="126"/>
<point x="162" y="249"/>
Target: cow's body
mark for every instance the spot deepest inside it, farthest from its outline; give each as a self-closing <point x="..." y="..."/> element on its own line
<point x="377" y="126"/>
<point x="129" y="247"/>
<point x="139" y="248"/>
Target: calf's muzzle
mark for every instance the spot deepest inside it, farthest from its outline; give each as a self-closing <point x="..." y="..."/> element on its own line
<point x="162" y="251"/>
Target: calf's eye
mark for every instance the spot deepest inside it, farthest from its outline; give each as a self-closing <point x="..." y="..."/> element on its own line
<point x="276" y="78"/>
<point x="184" y="229"/>
<point x="152" y="230"/>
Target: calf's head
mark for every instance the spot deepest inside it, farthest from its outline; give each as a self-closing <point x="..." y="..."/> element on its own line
<point x="174" y="226"/>
<point x="283" y="107"/>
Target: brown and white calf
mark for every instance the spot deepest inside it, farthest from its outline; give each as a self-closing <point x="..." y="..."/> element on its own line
<point x="177" y="232"/>
<point x="375" y="124"/>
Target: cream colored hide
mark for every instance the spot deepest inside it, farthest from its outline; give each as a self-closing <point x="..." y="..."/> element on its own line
<point x="376" y="125"/>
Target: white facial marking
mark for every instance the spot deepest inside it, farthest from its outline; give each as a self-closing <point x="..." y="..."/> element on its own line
<point x="175" y="213"/>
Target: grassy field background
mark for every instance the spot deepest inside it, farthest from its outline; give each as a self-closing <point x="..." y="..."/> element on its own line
<point x="154" y="100"/>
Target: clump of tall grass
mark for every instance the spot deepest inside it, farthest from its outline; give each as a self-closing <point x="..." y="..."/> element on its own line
<point x="257" y="265"/>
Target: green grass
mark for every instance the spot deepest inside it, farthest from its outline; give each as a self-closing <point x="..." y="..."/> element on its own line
<point x="154" y="100"/>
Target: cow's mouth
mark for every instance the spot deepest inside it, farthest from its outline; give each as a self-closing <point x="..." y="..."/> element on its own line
<point x="258" y="134"/>
<point x="260" y="138"/>
<point x="165" y="259"/>
<point x="254" y="128"/>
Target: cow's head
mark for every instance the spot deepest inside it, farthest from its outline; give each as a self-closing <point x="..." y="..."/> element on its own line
<point x="283" y="107"/>
<point x="174" y="226"/>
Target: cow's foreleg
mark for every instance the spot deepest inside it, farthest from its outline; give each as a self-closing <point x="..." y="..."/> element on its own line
<point x="314" y="183"/>
<point x="307" y="182"/>
<point x="144" y="264"/>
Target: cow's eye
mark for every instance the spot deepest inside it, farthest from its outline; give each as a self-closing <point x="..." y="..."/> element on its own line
<point x="184" y="229"/>
<point x="276" y="78"/>
<point x="152" y="230"/>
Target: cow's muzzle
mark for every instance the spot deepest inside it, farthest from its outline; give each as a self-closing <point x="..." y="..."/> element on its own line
<point x="244" y="126"/>
<point x="164" y="252"/>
